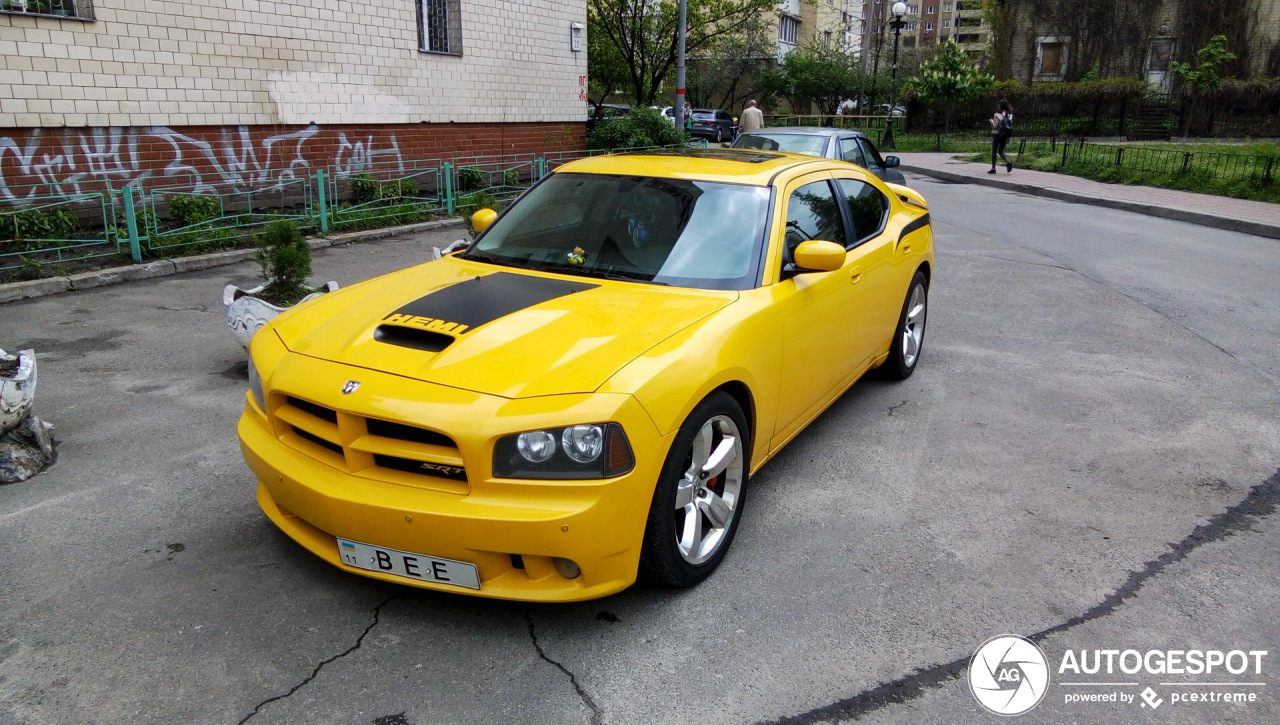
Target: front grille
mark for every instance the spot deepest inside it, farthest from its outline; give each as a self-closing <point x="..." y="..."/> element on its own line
<point x="371" y="447"/>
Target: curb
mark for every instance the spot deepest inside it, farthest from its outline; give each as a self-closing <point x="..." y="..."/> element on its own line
<point x="1204" y="219"/>
<point x="15" y="291"/>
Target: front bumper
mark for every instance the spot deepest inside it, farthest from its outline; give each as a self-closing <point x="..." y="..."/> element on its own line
<point x="598" y="525"/>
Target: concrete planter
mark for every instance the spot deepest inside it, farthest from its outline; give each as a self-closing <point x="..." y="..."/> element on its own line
<point x="247" y="314"/>
<point x="17" y="390"/>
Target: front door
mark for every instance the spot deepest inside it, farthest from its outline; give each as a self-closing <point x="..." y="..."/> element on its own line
<point x="822" y="311"/>
<point x="1158" y="57"/>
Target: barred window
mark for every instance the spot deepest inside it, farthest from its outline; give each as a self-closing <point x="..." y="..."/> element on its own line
<point x="82" y="9"/>
<point x="439" y="26"/>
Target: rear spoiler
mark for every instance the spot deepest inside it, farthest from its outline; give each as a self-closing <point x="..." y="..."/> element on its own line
<point x="909" y="196"/>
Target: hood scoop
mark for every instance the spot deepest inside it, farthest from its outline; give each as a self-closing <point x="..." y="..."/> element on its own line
<point x="413" y="337"/>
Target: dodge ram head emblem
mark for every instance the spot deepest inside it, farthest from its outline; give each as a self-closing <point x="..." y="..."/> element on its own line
<point x="350" y="387"/>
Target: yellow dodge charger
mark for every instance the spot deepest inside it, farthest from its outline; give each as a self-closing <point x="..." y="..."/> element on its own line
<point x="581" y="395"/>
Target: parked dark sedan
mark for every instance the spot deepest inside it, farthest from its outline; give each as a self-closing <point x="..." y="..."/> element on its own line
<point x="714" y="125"/>
<point x="832" y="143"/>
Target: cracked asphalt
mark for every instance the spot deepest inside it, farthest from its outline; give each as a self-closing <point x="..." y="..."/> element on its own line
<point x="1087" y="457"/>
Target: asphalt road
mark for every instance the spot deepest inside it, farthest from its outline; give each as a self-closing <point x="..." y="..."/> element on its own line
<point x="1087" y="456"/>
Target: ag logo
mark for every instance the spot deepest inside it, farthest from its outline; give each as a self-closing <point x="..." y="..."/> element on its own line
<point x="350" y="387"/>
<point x="1008" y="675"/>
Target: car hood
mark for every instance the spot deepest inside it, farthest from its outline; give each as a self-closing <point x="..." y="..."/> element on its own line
<point x="494" y="330"/>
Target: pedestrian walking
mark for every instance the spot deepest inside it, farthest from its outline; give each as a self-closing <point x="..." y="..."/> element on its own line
<point x="752" y="119"/>
<point x="688" y="117"/>
<point x="1001" y="132"/>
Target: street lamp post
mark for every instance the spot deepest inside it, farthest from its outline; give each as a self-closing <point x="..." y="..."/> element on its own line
<point x="680" y="42"/>
<point x="899" y="9"/>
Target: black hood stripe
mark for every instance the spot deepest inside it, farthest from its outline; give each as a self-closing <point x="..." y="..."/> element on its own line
<point x="467" y="305"/>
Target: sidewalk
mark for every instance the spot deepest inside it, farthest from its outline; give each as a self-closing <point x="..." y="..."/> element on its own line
<point x="1241" y="215"/>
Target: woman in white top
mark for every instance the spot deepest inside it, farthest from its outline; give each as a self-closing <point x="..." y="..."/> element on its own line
<point x="1001" y="131"/>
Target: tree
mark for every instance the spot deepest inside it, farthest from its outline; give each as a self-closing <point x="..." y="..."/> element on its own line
<point x="949" y="79"/>
<point x="644" y="33"/>
<point x="729" y="71"/>
<point x="606" y="70"/>
<point x="1204" y="77"/>
<point x="817" y="76"/>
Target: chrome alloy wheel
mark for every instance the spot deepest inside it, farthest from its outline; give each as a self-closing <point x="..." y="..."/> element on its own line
<point x="913" y="327"/>
<point x="707" y="494"/>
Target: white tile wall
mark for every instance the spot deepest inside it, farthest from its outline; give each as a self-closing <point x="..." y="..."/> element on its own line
<point x="222" y="62"/>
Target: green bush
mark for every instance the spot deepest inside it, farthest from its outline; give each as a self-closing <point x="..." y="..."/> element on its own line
<point x="511" y="177"/>
<point x="642" y="127"/>
<point x="50" y="223"/>
<point x="470" y="179"/>
<point x="285" y="259"/>
<point x="365" y="188"/>
<point x="194" y="209"/>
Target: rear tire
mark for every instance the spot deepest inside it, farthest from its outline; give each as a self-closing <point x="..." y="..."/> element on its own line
<point x="908" y="338"/>
<point x="698" y="500"/>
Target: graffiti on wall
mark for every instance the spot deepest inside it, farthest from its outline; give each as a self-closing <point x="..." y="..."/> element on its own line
<point x="230" y="159"/>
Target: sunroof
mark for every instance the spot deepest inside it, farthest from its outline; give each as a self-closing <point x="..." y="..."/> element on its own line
<point x="749" y="156"/>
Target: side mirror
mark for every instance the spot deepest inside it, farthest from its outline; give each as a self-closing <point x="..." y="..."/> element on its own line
<point x="817" y="256"/>
<point x="482" y="219"/>
<point x="892" y="162"/>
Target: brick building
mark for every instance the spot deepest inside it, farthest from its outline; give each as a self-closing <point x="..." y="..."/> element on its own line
<point x="117" y="89"/>
<point x="929" y="22"/>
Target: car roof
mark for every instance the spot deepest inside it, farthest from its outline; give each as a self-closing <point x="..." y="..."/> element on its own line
<point x="741" y="166"/>
<point x="806" y="131"/>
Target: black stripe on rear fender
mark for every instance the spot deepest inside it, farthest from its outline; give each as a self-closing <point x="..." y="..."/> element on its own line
<point x="919" y="223"/>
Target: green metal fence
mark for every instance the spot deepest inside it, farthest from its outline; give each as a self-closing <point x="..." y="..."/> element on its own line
<point x="44" y="229"/>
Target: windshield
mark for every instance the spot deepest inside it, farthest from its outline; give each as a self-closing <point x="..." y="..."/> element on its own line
<point x="795" y="143"/>
<point x="698" y="234"/>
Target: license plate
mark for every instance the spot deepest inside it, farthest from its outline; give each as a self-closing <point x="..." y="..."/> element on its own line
<point x="408" y="565"/>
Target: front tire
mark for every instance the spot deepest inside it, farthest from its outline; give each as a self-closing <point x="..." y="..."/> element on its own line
<point x="908" y="338"/>
<point x="698" y="501"/>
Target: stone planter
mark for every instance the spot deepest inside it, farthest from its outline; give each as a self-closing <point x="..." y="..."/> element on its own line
<point x="17" y="387"/>
<point x="247" y="314"/>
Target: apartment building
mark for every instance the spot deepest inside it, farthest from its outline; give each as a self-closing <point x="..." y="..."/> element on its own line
<point x="828" y="23"/>
<point x="928" y="23"/>
<point x="86" y="84"/>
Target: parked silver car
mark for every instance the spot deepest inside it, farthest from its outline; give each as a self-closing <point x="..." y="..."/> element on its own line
<point x="833" y="143"/>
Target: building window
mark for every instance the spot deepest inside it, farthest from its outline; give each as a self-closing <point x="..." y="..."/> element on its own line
<point x="946" y="22"/>
<point x="928" y="26"/>
<point x="788" y="29"/>
<point x="946" y="7"/>
<point x="79" y="9"/>
<point x="826" y="38"/>
<point x="1051" y="58"/>
<point x="913" y="9"/>
<point x="931" y="10"/>
<point x="440" y="26"/>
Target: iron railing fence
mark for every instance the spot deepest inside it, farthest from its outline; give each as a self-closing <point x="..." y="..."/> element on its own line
<point x="1172" y="162"/>
<point x="48" y="227"/>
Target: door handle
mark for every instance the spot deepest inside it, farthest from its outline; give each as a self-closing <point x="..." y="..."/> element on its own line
<point x="855" y="275"/>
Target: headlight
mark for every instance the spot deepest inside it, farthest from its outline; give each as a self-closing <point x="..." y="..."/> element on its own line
<point x="255" y="386"/>
<point x="598" y="450"/>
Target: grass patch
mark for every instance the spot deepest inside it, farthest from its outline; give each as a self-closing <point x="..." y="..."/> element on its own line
<point x="1195" y="179"/>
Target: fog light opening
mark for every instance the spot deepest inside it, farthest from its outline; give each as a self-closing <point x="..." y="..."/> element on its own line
<point x="567" y="568"/>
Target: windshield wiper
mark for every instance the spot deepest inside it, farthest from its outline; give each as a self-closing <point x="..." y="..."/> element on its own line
<point x="577" y="271"/>
<point x="476" y="256"/>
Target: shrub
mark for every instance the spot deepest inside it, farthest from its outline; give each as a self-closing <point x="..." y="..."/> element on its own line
<point x="365" y="188"/>
<point x="49" y="223"/>
<point x="644" y="126"/>
<point x="511" y="177"/>
<point x="470" y="179"/>
<point x="194" y="209"/>
<point x="285" y="259"/>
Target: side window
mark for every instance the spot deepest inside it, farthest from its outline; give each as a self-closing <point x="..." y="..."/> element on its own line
<point x="867" y="207"/>
<point x="812" y="213"/>
<point x="849" y="151"/>
<point x="873" y="156"/>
